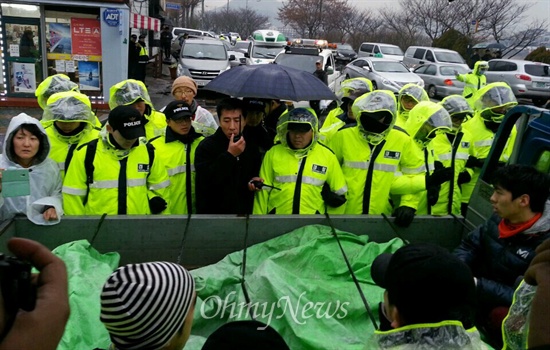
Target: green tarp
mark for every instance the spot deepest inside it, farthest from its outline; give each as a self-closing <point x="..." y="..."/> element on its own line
<point x="299" y="284"/>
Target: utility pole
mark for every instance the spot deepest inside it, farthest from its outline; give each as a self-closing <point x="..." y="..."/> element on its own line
<point x="227" y="5"/>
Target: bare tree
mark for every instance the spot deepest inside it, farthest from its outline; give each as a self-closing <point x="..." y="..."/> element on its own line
<point x="244" y="21"/>
<point x="400" y="29"/>
<point x="304" y="16"/>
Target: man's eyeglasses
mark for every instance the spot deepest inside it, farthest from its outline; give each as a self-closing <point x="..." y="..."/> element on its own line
<point x="186" y="92"/>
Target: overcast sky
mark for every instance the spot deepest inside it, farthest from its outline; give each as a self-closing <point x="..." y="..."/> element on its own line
<point x="539" y="10"/>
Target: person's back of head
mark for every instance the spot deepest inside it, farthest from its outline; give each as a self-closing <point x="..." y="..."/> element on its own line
<point x="148" y="306"/>
<point x="524" y="180"/>
<point x="425" y="284"/>
<point x="242" y="335"/>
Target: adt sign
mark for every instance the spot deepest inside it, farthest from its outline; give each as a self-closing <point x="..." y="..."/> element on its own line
<point x="111" y="17"/>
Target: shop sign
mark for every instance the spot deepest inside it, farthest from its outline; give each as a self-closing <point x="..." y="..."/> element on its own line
<point x="111" y="17"/>
<point x="86" y="36"/>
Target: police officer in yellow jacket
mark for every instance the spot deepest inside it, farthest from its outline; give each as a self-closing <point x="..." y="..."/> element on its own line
<point x="306" y="173"/>
<point x="133" y="93"/>
<point x="51" y="85"/>
<point x="371" y="153"/>
<point x="117" y="174"/>
<point x="177" y="150"/>
<point x="426" y="120"/>
<point x="409" y="96"/>
<point x="342" y="115"/>
<point x="493" y="101"/>
<point x="474" y="81"/>
<point x="452" y="150"/>
<point x="69" y="121"/>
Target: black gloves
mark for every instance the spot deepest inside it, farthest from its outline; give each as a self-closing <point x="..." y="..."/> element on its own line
<point x="433" y="195"/>
<point x="463" y="177"/>
<point x="463" y="209"/>
<point x="439" y="175"/>
<point x="474" y="162"/>
<point x="332" y="199"/>
<point x="404" y="216"/>
<point x="157" y="205"/>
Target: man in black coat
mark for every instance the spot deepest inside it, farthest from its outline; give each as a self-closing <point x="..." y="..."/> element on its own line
<point x="133" y="57"/>
<point x="225" y="163"/>
<point x="322" y="75"/>
<point x="499" y="251"/>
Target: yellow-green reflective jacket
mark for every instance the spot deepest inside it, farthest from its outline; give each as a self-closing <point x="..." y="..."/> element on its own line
<point x="480" y="145"/>
<point x="354" y="154"/>
<point x="472" y="84"/>
<point x="174" y="155"/>
<point x="156" y="125"/>
<point x="331" y="125"/>
<point x="443" y="335"/>
<point x="446" y="152"/>
<point x="62" y="146"/>
<point x="141" y="185"/>
<point x="281" y="168"/>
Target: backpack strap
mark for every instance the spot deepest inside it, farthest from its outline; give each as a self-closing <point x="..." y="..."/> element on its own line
<point x="91" y="148"/>
<point x="151" y="153"/>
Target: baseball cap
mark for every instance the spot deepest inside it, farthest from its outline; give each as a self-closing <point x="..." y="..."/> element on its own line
<point x="128" y="121"/>
<point x="254" y="105"/>
<point x="142" y="36"/>
<point x="178" y="109"/>
<point x="426" y="283"/>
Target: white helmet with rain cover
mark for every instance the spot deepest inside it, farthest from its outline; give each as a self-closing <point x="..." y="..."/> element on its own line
<point x="494" y="100"/>
<point x="458" y="108"/>
<point x="308" y="120"/>
<point x="128" y="92"/>
<point x="51" y="85"/>
<point x="426" y="120"/>
<point x="357" y="86"/>
<point x="376" y="113"/>
<point x="416" y="92"/>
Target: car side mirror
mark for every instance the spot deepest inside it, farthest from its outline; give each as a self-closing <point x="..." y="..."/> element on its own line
<point x="246" y="55"/>
<point x="330" y="70"/>
<point x="232" y="58"/>
<point x="421" y="62"/>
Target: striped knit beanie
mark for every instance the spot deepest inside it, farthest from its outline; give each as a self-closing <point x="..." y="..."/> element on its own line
<point x="144" y="305"/>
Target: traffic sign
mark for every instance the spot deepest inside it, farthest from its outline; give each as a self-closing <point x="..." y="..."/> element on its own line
<point x="172" y="6"/>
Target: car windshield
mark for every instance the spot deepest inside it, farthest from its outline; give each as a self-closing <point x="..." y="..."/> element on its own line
<point x="538" y="70"/>
<point x="301" y="62"/>
<point x="204" y="51"/>
<point x="266" y="51"/>
<point x="242" y="44"/>
<point x="450" y="70"/>
<point x="451" y="57"/>
<point x="387" y="66"/>
<point x="390" y="50"/>
<point x="344" y="47"/>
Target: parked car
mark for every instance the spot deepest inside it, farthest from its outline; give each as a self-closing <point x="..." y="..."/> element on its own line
<point x="177" y="31"/>
<point x="344" y="53"/>
<point x="240" y="54"/>
<point x="439" y="79"/>
<point x="203" y="59"/>
<point x="418" y="55"/>
<point x="527" y="79"/>
<point x="384" y="73"/>
<point x="386" y="50"/>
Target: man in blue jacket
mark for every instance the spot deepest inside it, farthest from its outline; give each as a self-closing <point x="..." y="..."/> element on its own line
<point x="499" y="251"/>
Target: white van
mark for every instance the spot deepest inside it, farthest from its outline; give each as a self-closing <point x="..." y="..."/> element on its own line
<point x="418" y="55"/>
<point x="264" y="46"/>
<point x="179" y="30"/>
<point x="392" y="52"/>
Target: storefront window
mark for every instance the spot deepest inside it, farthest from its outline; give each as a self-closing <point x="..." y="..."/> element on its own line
<point x="24" y="11"/>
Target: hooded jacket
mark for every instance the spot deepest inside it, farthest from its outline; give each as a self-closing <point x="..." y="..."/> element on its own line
<point x="498" y="262"/>
<point x="300" y="174"/>
<point x="473" y="82"/>
<point x="130" y="91"/>
<point x="44" y="178"/>
<point x="68" y="106"/>
<point x="417" y="93"/>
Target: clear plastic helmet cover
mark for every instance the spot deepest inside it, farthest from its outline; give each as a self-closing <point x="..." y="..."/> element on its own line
<point x="128" y="93"/>
<point x="359" y="85"/>
<point x="414" y="91"/>
<point x="438" y="122"/>
<point x="54" y="84"/>
<point x="375" y="126"/>
<point x="494" y="102"/>
<point x="458" y="108"/>
<point x="69" y="107"/>
<point x="375" y="101"/>
<point x="302" y="116"/>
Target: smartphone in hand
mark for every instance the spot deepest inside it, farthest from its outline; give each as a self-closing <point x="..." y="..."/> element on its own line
<point x="15" y="183"/>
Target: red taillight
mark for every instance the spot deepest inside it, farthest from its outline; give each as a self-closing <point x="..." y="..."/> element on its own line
<point x="523" y="77"/>
<point x="448" y="82"/>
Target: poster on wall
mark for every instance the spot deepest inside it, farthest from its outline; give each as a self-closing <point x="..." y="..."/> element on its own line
<point x="23" y="77"/>
<point x="58" y="39"/>
<point x="86" y="36"/>
<point x="88" y="75"/>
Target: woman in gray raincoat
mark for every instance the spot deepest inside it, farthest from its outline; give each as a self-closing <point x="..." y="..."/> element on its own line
<point x="27" y="147"/>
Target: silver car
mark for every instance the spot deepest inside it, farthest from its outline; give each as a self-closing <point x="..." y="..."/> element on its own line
<point x="527" y="79"/>
<point x="439" y="79"/>
<point x="385" y="74"/>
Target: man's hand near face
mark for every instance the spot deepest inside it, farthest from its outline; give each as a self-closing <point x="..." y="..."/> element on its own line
<point x="236" y="148"/>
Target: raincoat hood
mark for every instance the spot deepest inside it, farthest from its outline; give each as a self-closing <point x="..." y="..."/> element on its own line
<point x="480" y="65"/>
<point x="427" y="118"/>
<point x="15" y="123"/>
<point x="69" y="106"/>
<point x="359" y="86"/>
<point x="413" y="90"/>
<point x="302" y="116"/>
<point x="494" y="95"/>
<point x="374" y="102"/>
<point x="51" y="85"/>
<point x="457" y="105"/>
<point x="128" y="92"/>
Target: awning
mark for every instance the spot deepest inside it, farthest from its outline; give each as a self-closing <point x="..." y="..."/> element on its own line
<point x="144" y="22"/>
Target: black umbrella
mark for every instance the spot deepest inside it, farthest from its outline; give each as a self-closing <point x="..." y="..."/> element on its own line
<point x="271" y="81"/>
<point x="496" y="46"/>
